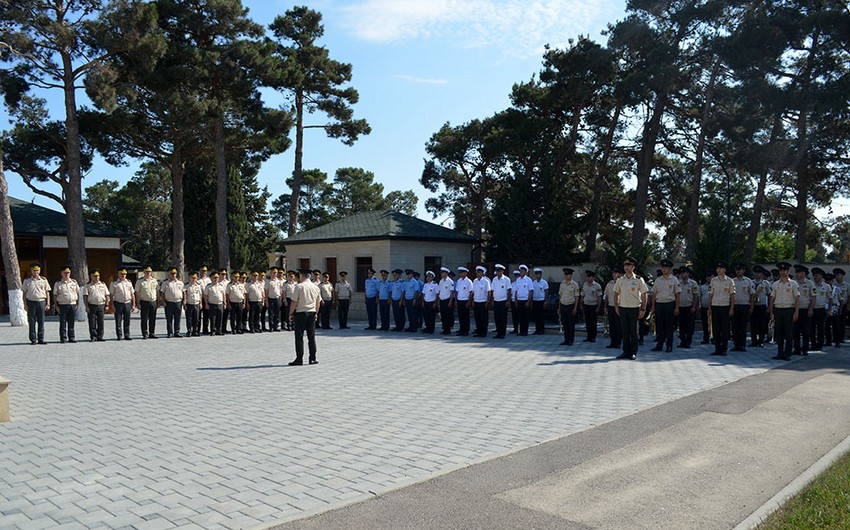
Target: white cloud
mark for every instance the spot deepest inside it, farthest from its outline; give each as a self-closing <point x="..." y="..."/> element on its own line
<point x="422" y="80"/>
<point x="519" y="27"/>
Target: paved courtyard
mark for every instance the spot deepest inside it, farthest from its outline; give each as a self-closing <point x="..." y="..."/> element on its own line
<point x="216" y="432"/>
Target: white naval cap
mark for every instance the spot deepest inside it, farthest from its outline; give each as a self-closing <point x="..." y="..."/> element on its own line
<point x="429" y="273"/>
<point x="462" y="269"/>
<point x="499" y="266"/>
<point x="445" y="269"/>
<point x="523" y="267"/>
<point x="516" y="272"/>
<point x="481" y="268"/>
<point x="538" y="269"/>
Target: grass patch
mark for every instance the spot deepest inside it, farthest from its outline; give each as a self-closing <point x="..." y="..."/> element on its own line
<point x="823" y="504"/>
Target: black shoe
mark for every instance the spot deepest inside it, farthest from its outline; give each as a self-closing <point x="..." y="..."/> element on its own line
<point x="296" y="363"/>
<point x="657" y="348"/>
<point x="72" y="341"/>
<point x="120" y="338"/>
<point x="633" y="357"/>
<point x="778" y="358"/>
<point x="90" y="340"/>
<point x="704" y="342"/>
<point x="669" y="349"/>
<point x="61" y="341"/>
<point x="611" y="346"/>
<point x="586" y="340"/>
<point x="101" y="339"/>
<point x="44" y="342"/>
<point x="152" y="336"/>
<point x="314" y="361"/>
<point x="805" y="354"/>
<point x="716" y="353"/>
<point x="445" y="332"/>
<point x="500" y="336"/>
<point x="565" y="343"/>
<point x="624" y="356"/>
<point x="177" y="336"/>
<point x="681" y="345"/>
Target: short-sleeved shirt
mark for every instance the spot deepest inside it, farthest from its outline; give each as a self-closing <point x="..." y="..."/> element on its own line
<point x="411" y="287"/>
<point x="215" y="293"/>
<point x="371" y="287"/>
<point x="36" y="290"/>
<point x="722" y="291"/>
<point x="289" y="288"/>
<point x="744" y="288"/>
<point x="66" y="293"/>
<point x="538" y="290"/>
<point x="665" y="289"/>
<point x="523" y="288"/>
<point x="306" y="297"/>
<point x="463" y="288"/>
<point x="273" y="288"/>
<point x="173" y="290"/>
<point x="343" y="290"/>
<point x="236" y="292"/>
<point x="843" y="291"/>
<point x="255" y="291"/>
<point x="480" y="288"/>
<point x="807" y="292"/>
<point x="447" y="287"/>
<point x="762" y="290"/>
<point x="500" y="286"/>
<point x="591" y="294"/>
<point x="689" y="293"/>
<point x="326" y="291"/>
<point x="703" y="295"/>
<point x="385" y="289"/>
<point x="823" y="295"/>
<point x="146" y="289"/>
<point x="568" y="292"/>
<point x="194" y="293"/>
<point x="97" y="293"/>
<point x="397" y="288"/>
<point x="630" y="291"/>
<point x="121" y="291"/>
<point x="609" y="292"/>
<point x="430" y="291"/>
<point x="784" y="294"/>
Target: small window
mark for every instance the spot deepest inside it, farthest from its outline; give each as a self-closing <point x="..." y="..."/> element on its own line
<point x="304" y="263"/>
<point x="433" y="264"/>
<point x="330" y="268"/>
<point x="363" y="266"/>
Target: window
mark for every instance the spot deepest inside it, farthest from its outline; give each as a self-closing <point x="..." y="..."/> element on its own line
<point x="433" y="264"/>
<point x="303" y="263"/>
<point x="330" y="268"/>
<point x="363" y="265"/>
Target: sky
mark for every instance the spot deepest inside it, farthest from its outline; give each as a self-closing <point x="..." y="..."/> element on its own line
<point x="417" y="64"/>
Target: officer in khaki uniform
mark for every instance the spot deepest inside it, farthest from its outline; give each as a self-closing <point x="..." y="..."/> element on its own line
<point x="745" y="292"/>
<point x="37" y="294"/>
<point x="784" y="306"/>
<point x="665" y="306"/>
<point x="688" y="300"/>
<point x="204" y="280"/>
<point x="569" y="295"/>
<point x="591" y="300"/>
<point x="255" y="291"/>
<point x="822" y="295"/>
<point x="66" y="293"/>
<point x="215" y="298"/>
<point x="171" y="294"/>
<point x="758" y="321"/>
<point x="192" y="305"/>
<point x="721" y="300"/>
<point x="123" y="303"/>
<point x="803" y="325"/>
<point x="342" y="299"/>
<point x="147" y="294"/>
<point x="630" y="299"/>
<point x="614" y="329"/>
<point x="96" y="296"/>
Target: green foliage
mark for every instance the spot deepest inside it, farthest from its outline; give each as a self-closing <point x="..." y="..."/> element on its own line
<point x="402" y="201"/>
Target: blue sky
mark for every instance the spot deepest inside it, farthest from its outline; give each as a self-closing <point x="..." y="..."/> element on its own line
<point x="417" y="65"/>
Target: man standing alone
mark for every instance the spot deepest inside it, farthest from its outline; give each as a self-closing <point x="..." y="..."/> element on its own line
<point x="37" y="293"/>
<point x="306" y="301"/>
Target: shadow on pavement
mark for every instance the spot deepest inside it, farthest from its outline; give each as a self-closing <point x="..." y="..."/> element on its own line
<point x="225" y="368"/>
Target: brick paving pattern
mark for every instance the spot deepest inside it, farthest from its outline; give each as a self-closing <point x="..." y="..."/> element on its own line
<point x="217" y="432"/>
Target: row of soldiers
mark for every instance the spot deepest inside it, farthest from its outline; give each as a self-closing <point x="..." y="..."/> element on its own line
<point x="208" y="300"/>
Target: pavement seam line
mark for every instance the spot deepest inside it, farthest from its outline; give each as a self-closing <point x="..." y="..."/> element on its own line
<point x="795" y="486"/>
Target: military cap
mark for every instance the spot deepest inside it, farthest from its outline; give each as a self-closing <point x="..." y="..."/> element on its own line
<point x="516" y="273"/>
<point x="445" y="269"/>
<point x="783" y="266"/>
<point x="836" y="271"/>
<point x="384" y="271"/>
<point x="317" y="271"/>
<point x="499" y="266"/>
<point x="416" y="274"/>
<point x="172" y="270"/>
<point x="67" y="268"/>
<point x="273" y="269"/>
<point x="95" y="272"/>
<point x="122" y="270"/>
<point x="590" y="273"/>
<point x="666" y="263"/>
<point x="147" y="269"/>
<point x="343" y="273"/>
<point x="818" y="270"/>
<point x="774" y="272"/>
<point x="462" y="269"/>
<point x="291" y="271"/>
<point x="829" y="276"/>
<point x="408" y="271"/>
<point x="370" y="270"/>
<point x="193" y="274"/>
<point x="740" y="267"/>
<point x="255" y="273"/>
<point x="214" y="274"/>
<point x="397" y="271"/>
<point x="305" y="272"/>
<point x="428" y="273"/>
<point x="567" y="270"/>
<point x="326" y="275"/>
<point x="759" y="268"/>
<point x="481" y="268"/>
<point x="203" y="268"/>
<point x="801" y="268"/>
<point x="685" y="269"/>
<point x="677" y="271"/>
<point x="629" y="261"/>
<point x="35" y="267"/>
<point x="523" y="268"/>
<point x="720" y="265"/>
<point x="222" y="270"/>
<point x="538" y="269"/>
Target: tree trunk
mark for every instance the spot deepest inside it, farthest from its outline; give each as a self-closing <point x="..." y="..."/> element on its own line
<point x="73" y="188"/>
<point x="598" y="181"/>
<point x="696" y="183"/>
<point x="17" y="310"/>
<point x="802" y="210"/>
<point x="223" y="236"/>
<point x="295" y="196"/>
<point x="178" y="232"/>
<point x="646" y="160"/>
<point x="758" y="202"/>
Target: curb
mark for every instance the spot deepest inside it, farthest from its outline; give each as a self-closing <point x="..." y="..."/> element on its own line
<point x="795" y="486"/>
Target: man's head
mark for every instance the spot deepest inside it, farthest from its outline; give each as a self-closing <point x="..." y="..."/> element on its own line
<point x="629" y="265"/>
<point x="463" y="271"/>
<point x="590" y="276"/>
<point x="802" y="271"/>
<point x="523" y="271"/>
<point x="122" y="273"/>
<point x="172" y="273"/>
<point x="148" y="271"/>
<point x="720" y="268"/>
<point x="95" y="275"/>
<point x="444" y="272"/>
<point x="568" y="273"/>
<point x="666" y="267"/>
<point x="500" y="270"/>
<point x="480" y="271"/>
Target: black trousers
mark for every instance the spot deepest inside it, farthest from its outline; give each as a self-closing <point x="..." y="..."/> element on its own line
<point x="706" y="333"/>
<point x="67" y="317"/>
<point x="122" y="318"/>
<point x="514" y="317"/>
<point x="802" y="332"/>
<point x="255" y="310"/>
<point x="342" y="312"/>
<point x="96" y="313"/>
<point x="664" y="323"/>
<point x="173" y="312"/>
<point x="463" y="316"/>
<point x="205" y="319"/>
<point x="720" y="323"/>
<point x="384" y="306"/>
<point x="236" y="317"/>
<point x="686" y="325"/>
<point x="325" y="314"/>
<point x="538" y="310"/>
<point x="500" y="316"/>
<point x="482" y="319"/>
<point x="446" y="316"/>
<point x="758" y="325"/>
<point x="193" y="319"/>
<point x="412" y="314"/>
<point x="225" y="316"/>
<point x="398" y="315"/>
<point x="245" y="313"/>
<point x="568" y="322"/>
<point x="148" y="317"/>
<point x="274" y="314"/>
<point x="591" y="321"/>
<point x="783" y="331"/>
<point x="739" y="326"/>
<point x="263" y="312"/>
<point x="629" y="326"/>
<point x="614" y="327"/>
<point x="522" y="313"/>
<point x="305" y="321"/>
<point x="842" y="324"/>
<point x="818" y="328"/>
<point x="429" y="315"/>
<point x="372" y="312"/>
<point x="35" y="319"/>
<point x="216" y="313"/>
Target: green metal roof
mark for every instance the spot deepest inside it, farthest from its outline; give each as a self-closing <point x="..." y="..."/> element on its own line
<point x="32" y="219"/>
<point x="380" y="224"/>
